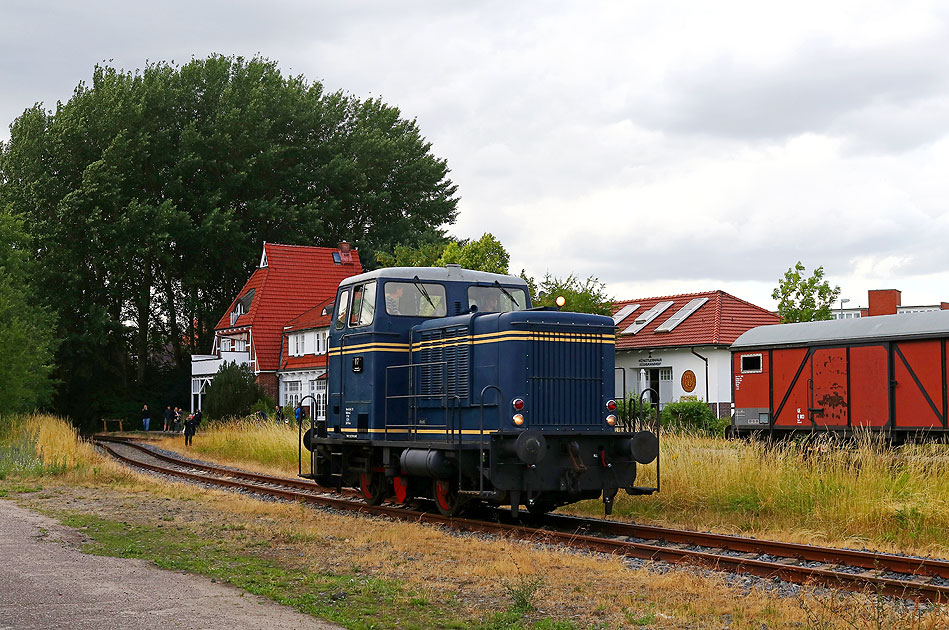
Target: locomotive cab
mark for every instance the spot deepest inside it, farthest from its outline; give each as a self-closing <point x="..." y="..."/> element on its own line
<point x="444" y="383"/>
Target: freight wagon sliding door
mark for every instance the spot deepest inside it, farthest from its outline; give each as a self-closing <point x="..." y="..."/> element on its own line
<point x="918" y="369"/>
<point x="790" y="374"/>
<point x="869" y="386"/>
<point x="829" y="388"/>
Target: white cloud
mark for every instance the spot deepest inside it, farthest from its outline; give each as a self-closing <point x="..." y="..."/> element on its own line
<point x="663" y="146"/>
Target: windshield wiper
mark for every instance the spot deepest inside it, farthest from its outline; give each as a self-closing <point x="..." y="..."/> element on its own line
<point x="498" y="285"/>
<point x="421" y="289"/>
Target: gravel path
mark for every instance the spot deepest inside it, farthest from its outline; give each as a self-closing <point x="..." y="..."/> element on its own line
<point x="47" y="583"/>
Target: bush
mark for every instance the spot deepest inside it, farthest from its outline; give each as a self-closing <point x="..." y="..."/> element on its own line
<point x="633" y="412"/>
<point x="265" y="404"/>
<point x="693" y="416"/>
<point x="232" y="393"/>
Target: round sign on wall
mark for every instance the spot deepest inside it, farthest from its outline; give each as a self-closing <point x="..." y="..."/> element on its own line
<point x="688" y="380"/>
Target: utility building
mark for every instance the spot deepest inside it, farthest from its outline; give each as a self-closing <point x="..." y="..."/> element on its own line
<point x="678" y="345"/>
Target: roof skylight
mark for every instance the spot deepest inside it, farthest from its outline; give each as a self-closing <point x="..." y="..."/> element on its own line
<point x="643" y="320"/>
<point x="681" y="315"/>
<point x="621" y="314"/>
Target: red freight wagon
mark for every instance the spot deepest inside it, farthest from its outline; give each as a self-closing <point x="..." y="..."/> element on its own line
<point x="885" y="372"/>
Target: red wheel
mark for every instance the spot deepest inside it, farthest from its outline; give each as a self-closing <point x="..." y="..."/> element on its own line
<point x="446" y="497"/>
<point x="401" y="487"/>
<point x="372" y="486"/>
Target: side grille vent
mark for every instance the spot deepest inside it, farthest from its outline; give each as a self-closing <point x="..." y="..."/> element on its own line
<point x="444" y="361"/>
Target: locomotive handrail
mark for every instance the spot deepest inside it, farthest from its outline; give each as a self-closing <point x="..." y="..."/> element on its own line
<point x="656" y="427"/>
<point x="300" y="432"/>
<point x="481" y="430"/>
<point x="444" y="395"/>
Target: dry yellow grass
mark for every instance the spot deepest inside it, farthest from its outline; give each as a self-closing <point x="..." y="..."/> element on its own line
<point x="265" y="447"/>
<point x="854" y="494"/>
<point x="47" y="445"/>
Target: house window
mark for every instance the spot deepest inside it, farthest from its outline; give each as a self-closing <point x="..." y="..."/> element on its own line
<point x="294" y="393"/>
<point x="665" y="374"/>
<point x="297" y="345"/>
<point x="225" y="344"/>
<point x="751" y="364"/>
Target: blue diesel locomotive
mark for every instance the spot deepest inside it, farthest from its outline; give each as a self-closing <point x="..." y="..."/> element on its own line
<point x="444" y="383"/>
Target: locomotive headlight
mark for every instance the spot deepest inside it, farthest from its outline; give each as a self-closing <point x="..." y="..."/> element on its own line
<point x="611" y="420"/>
<point x="611" y="405"/>
<point x="518" y="404"/>
<point x="561" y="300"/>
<point x="518" y="419"/>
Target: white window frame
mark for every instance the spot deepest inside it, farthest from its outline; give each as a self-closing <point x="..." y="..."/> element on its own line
<point x="741" y="364"/>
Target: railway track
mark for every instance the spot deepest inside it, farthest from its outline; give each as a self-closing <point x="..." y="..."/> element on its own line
<point x="888" y="574"/>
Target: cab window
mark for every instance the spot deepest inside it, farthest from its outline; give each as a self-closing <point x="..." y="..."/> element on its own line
<point x="415" y="300"/>
<point x="364" y="305"/>
<point x="497" y="300"/>
<point x="341" y="303"/>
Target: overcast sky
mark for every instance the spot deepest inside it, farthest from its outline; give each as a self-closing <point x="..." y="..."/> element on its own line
<point x="664" y="147"/>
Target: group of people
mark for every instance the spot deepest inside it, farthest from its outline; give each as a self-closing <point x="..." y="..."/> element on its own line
<point x="173" y="421"/>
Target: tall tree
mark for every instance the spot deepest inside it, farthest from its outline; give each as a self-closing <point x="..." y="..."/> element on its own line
<point x="803" y="298"/>
<point x="149" y="194"/>
<point x="26" y="328"/>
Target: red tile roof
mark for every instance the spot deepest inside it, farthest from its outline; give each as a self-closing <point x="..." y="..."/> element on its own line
<point x="718" y="322"/>
<point x="296" y="279"/>
<point x="313" y="318"/>
<point x="306" y="362"/>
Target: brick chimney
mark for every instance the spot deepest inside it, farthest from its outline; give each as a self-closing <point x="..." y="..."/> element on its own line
<point x="883" y="301"/>
<point x="345" y="253"/>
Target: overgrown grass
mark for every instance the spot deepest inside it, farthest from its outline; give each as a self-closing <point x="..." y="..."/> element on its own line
<point x="271" y="446"/>
<point x="39" y="445"/>
<point x="862" y="492"/>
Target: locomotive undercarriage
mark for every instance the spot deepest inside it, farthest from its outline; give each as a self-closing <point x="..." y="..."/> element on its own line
<point x="524" y="468"/>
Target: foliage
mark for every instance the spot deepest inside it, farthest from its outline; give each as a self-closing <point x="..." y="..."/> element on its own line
<point x="693" y="416"/>
<point x="425" y="253"/>
<point x="588" y="296"/>
<point x="635" y="412"/>
<point x="149" y="193"/>
<point x="485" y="254"/>
<point x="27" y="343"/>
<point x="233" y="392"/>
<point x="804" y="299"/>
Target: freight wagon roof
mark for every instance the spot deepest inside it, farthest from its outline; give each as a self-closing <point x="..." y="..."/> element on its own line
<point x="902" y="326"/>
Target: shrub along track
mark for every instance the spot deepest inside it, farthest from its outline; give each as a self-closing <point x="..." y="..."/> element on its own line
<point x="888" y="574"/>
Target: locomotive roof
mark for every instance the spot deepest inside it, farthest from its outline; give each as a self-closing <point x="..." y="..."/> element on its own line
<point x="901" y="326"/>
<point x="451" y="273"/>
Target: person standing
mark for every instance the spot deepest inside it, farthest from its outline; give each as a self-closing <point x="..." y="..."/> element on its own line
<point x="168" y="416"/>
<point x="278" y="414"/>
<point x="191" y="426"/>
<point x="146" y="416"/>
